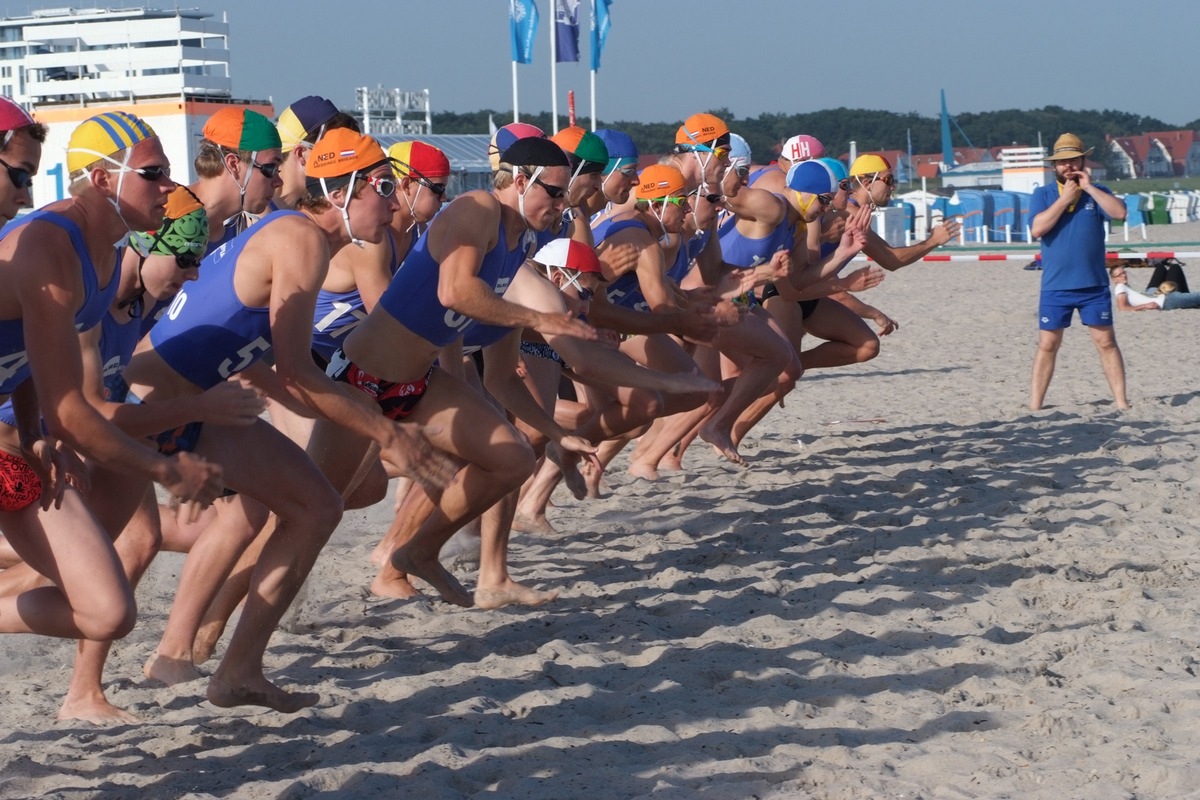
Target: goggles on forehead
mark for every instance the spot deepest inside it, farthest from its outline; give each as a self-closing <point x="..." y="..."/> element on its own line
<point x="625" y="166"/>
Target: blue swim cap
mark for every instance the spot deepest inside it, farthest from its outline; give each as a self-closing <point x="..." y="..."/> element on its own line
<point x="739" y="151"/>
<point x="621" y="149"/>
<point x="836" y="167"/>
<point x="811" y="177"/>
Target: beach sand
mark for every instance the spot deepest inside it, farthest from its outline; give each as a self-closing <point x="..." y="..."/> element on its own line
<point x="918" y="589"/>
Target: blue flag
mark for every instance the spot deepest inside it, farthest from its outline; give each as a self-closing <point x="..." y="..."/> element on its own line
<point x="524" y="17"/>
<point x="600" y="26"/>
<point x="566" y="37"/>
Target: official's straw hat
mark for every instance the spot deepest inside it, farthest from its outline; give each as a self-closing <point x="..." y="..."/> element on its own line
<point x="1068" y="146"/>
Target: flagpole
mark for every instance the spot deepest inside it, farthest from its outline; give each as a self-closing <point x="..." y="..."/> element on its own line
<point x="554" y="67"/>
<point x="512" y="16"/>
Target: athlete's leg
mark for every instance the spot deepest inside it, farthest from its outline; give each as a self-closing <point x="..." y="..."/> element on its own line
<point x="848" y="339"/>
<point x="113" y="494"/>
<point x="497" y="459"/>
<point x="90" y="597"/>
<point x="308" y="509"/>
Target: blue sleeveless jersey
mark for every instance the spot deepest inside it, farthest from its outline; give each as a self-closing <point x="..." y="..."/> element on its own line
<point x="625" y="290"/>
<point x="736" y="248"/>
<point x="412" y="296"/>
<point x="14" y="363"/>
<point x="338" y="313"/>
<point x="207" y="335"/>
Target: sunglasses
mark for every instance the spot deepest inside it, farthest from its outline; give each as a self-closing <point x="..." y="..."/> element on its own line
<point x="712" y="198"/>
<point x="675" y="201"/>
<point x="890" y="180"/>
<point x="742" y="172"/>
<point x="824" y="199"/>
<point x="554" y="192"/>
<point x="187" y="260"/>
<point x="845" y="185"/>
<point x="269" y="171"/>
<point x="155" y="173"/>
<point x="21" y="178"/>
<point x="384" y="187"/>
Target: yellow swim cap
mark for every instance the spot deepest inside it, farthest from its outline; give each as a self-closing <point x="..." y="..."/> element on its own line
<point x="104" y="135"/>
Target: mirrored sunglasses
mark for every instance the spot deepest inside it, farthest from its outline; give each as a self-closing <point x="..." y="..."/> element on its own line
<point x="21" y="178"/>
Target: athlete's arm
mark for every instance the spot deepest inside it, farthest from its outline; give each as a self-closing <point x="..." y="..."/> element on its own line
<point x="49" y="286"/>
<point x="299" y="257"/>
<point x="459" y="238"/>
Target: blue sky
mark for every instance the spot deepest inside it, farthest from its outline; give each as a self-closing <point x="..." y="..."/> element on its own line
<point x="666" y="59"/>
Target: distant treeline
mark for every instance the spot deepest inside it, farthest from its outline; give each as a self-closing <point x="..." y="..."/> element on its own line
<point x="872" y="130"/>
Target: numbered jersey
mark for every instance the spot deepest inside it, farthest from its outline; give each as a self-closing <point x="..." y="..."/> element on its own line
<point x="412" y="296"/>
<point x="207" y="333"/>
<point x="14" y="363"/>
<point x="744" y="251"/>
<point x="338" y="313"/>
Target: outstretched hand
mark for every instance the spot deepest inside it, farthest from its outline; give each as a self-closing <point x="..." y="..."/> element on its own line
<point x="864" y="278"/>
<point x="232" y="402"/>
<point x="565" y="324"/>
<point x="412" y="454"/>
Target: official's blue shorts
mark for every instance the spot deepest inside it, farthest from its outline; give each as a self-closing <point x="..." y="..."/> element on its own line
<point x="1057" y="307"/>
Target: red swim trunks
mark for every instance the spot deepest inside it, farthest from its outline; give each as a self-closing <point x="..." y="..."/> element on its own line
<point x="395" y="400"/>
<point x="20" y="486"/>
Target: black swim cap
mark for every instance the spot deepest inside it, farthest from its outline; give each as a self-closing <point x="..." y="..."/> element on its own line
<point x="535" y="152"/>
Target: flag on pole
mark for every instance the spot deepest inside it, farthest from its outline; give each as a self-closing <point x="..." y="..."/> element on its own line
<point x="566" y="18"/>
<point x="600" y="26"/>
<point x="524" y="17"/>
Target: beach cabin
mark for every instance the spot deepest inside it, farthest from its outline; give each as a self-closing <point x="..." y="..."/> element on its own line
<point x="1159" y="208"/>
<point x="910" y="215"/>
<point x="1021" y="201"/>
<point x="974" y="210"/>
<point x="1005" y="217"/>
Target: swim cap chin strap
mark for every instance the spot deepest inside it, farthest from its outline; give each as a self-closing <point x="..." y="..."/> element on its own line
<point x="521" y="195"/>
<point x="240" y="217"/>
<point x="139" y="240"/>
<point x="345" y="207"/>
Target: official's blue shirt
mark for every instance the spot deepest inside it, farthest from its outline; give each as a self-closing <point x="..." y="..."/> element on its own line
<point x="1073" y="250"/>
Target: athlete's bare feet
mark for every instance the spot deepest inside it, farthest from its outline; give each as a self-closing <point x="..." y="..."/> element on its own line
<point x="380" y="553"/>
<point x="206" y="640"/>
<point x="644" y="471"/>
<point x="171" y="671"/>
<point x="669" y="463"/>
<point x="511" y="593"/>
<point x="568" y="464"/>
<point x="96" y="709"/>
<point x="722" y="443"/>
<point x="393" y="586"/>
<point x="435" y="575"/>
<point x="536" y="523"/>
<point x="595" y="481"/>
<point x="259" y="692"/>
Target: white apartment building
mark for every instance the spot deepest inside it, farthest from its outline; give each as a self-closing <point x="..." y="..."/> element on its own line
<point x="87" y="55"/>
<point x="169" y="67"/>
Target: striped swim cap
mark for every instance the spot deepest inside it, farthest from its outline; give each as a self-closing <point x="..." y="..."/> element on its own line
<point x="425" y="160"/>
<point x="104" y="135"/>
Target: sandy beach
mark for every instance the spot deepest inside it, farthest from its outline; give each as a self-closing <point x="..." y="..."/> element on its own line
<point x="918" y="589"/>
